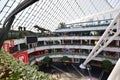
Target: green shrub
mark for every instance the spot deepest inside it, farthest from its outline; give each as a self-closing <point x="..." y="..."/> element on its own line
<point x="106" y="64"/>
<point x="47" y="60"/>
<point x="64" y="59"/>
<point x="20" y="70"/>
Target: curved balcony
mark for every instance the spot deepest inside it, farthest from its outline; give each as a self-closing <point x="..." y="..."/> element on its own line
<point x="82" y="29"/>
<point x="70" y="47"/>
<point x="70" y="55"/>
<point x="19" y="41"/>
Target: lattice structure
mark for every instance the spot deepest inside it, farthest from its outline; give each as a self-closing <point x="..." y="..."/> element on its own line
<point x="49" y="13"/>
<point x="112" y="31"/>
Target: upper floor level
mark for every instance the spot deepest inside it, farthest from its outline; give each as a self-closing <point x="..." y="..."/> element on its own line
<point x="78" y="42"/>
<point x="86" y="26"/>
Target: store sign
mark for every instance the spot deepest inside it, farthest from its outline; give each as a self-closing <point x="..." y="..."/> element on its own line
<point x="6" y="47"/>
<point x="37" y="53"/>
<point x="22" y="56"/>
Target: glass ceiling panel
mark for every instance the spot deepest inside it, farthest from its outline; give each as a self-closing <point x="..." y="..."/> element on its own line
<point x="49" y="13"/>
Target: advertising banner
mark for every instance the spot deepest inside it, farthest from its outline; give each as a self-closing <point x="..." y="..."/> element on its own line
<point x="22" y="56"/>
<point x="6" y="46"/>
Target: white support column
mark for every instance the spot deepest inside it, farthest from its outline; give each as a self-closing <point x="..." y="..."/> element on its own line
<point x="73" y="60"/>
<point x="33" y="45"/>
<point x="115" y="74"/>
<point x="53" y="42"/>
<point x="18" y="47"/>
<point x="80" y="41"/>
<point x="62" y="41"/>
<point x="44" y="43"/>
<point x="28" y="46"/>
<point x="89" y="42"/>
<point x="79" y="50"/>
<point x="36" y="44"/>
<point x="54" y="51"/>
<point x="117" y="43"/>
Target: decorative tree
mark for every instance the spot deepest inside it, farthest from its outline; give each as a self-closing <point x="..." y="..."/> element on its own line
<point x="64" y="59"/>
<point x="61" y="25"/>
<point x="47" y="60"/>
<point x="106" y="66"/>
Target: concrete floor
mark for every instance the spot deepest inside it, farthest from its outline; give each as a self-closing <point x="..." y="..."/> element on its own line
<point x="62" y="72"/>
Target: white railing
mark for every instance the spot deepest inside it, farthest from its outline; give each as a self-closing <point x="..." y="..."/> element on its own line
<point x="71" y="47"/>
<point x="81" y="29"/>
<point x="19" y="41"/>
<point x="70" y="55"/>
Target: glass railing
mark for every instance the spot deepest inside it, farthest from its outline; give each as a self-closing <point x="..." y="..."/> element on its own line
<point x="89" y="24"/>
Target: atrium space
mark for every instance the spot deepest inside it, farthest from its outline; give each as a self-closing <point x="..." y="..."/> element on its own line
<point x="59" y="39"/>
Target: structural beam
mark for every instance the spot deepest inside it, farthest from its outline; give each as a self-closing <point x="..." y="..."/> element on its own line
<point x="112" y="31"/>
<point x="115" y="74"/>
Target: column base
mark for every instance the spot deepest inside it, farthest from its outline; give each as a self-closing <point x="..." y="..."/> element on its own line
<point x="82" y="66"/>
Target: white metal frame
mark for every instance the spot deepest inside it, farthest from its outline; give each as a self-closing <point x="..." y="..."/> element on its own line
<point x="115" y="74"/>
<point x="114" y="30"/>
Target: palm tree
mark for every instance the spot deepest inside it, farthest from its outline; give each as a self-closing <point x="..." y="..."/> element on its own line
<point x="106" y="66"/>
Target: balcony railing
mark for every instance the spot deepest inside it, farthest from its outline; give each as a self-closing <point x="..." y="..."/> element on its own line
<point x="67" y="45"/>
<point x="71" y="55"/>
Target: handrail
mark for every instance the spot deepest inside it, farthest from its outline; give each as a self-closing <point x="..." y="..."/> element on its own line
<point x="53" y="38"/>
<point x="75" y="46"/>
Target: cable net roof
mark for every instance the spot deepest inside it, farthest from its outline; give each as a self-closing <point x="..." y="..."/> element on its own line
<point x="49" y="13"/>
